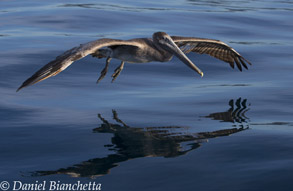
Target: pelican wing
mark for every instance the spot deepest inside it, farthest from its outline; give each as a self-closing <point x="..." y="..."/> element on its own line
<point x="67" y="58"/>
<point x="215" y="48"/>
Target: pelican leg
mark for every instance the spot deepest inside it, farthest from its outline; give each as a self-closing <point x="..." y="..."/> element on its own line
<point x="117" y="71"/>
<point x="105" y="70"/>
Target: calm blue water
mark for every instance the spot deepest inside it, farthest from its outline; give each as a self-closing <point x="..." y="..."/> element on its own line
<point x="159" y="126"/>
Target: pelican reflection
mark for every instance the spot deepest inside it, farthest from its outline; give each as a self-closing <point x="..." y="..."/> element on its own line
<point x="235" y="114"/>
<point x="133" y="142"/>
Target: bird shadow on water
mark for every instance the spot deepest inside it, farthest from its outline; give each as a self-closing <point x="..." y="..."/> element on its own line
<point x="164" y="141"/>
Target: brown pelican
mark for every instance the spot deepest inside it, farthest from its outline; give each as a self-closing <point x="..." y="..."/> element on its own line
<point x="160" y="48"/>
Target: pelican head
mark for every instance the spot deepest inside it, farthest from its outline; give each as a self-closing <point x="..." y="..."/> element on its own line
<point x="164" y="41"/>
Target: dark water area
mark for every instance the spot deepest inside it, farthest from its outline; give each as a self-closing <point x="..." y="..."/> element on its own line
<point x="159" y="126"/>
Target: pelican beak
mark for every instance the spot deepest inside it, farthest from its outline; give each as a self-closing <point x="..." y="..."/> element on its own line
<point x="173" y="48"/>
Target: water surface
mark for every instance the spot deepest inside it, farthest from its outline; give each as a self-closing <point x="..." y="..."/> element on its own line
<point x="159" y="126"/>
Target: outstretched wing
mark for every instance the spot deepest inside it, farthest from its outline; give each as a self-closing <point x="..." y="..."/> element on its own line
<point x="67" y="58"/>
<point x="214" y="48"/>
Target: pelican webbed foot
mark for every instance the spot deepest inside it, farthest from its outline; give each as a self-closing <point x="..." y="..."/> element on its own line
<point x="105" y="70"/>
<point x="117" y="71"/>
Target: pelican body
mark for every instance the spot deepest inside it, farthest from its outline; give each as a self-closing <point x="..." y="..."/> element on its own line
<point x="160" y="48"/>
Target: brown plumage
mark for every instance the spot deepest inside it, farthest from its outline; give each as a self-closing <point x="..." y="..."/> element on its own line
<point x="160" y="48"/>
<point x="214" y="48"/>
